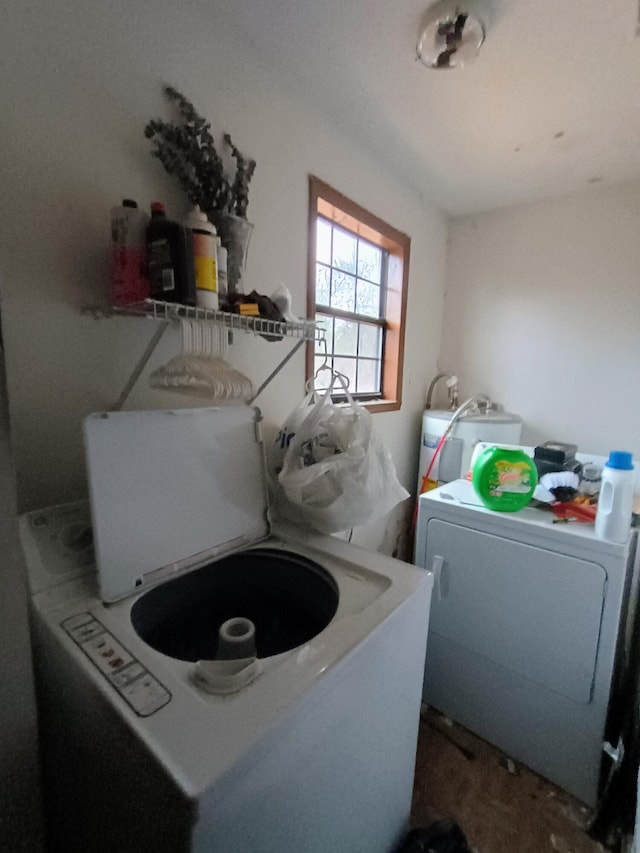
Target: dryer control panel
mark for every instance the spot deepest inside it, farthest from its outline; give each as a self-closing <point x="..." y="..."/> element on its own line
<point x="140" y="690"/>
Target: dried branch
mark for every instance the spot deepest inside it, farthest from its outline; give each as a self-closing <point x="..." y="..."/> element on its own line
<point x="188" y="151"/>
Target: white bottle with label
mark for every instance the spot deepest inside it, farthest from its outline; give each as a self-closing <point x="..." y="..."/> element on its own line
<point x="204" y="239"/>
<point x="222" y="270"/>
<point x="615" y="502"/>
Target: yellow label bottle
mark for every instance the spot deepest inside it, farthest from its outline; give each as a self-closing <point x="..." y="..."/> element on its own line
<point x="204" y="237"/>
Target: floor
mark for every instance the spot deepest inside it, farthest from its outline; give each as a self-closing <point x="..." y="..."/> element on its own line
<point x="502" y="807"/>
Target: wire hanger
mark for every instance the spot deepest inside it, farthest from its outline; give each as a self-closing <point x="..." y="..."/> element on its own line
<point x="310" y="385"/>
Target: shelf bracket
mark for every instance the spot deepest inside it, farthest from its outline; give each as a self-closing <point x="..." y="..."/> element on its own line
<point x="140" y="366"/>
<point x="277" y="370"/>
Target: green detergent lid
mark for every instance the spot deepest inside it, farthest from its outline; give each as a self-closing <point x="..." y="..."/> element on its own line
<point x="504" y="479"/>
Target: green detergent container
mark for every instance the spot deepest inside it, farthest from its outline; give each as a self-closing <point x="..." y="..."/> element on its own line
<point x="504" y="479"/>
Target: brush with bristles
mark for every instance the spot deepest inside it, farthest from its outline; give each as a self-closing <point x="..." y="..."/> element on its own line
<point x="561" y="485"/>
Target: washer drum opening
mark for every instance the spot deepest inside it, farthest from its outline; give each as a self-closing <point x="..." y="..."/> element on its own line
<point x="289" y="599"/>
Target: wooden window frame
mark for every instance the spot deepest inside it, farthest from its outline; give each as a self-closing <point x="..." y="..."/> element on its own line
<point x="332" y="205"/>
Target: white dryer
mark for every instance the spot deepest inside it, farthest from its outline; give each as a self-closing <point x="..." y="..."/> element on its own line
<point x="147" y="744"/>
<point x="525" y="624"/>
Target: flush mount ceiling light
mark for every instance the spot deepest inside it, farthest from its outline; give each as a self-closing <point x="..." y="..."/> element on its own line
<point x="450" y="34"/>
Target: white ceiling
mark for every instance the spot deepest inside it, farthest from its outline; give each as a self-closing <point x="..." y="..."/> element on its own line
<point x="550" y="107"/>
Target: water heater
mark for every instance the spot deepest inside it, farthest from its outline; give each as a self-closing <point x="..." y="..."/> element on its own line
<point x="454" y="457"/>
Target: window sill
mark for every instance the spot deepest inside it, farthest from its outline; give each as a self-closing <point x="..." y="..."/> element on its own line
<point x="375" y="406"/>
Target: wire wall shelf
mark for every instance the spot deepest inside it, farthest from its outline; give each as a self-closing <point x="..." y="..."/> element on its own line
<point x="166" y="312"/>
<point x="306" y="330"/>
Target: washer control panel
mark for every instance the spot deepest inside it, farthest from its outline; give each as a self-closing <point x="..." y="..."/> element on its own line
<point x="141" y="690"/>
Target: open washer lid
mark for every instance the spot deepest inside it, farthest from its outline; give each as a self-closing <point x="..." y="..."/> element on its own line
<point x="170" y="489"/>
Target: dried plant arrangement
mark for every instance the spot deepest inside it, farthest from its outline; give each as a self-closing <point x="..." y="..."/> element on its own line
<point x="187" y="150"/>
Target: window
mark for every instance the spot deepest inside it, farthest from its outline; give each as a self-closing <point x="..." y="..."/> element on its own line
<point x="358" y="273"/>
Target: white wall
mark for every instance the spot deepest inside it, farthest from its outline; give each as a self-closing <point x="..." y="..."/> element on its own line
<point x="79" y="82"/>
<point x="542" y="312"/>
<point x="20" y="822"/>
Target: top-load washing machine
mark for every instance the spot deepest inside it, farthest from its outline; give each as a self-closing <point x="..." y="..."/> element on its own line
<point x="153" y="739"/>
<point x="527" y="632"/>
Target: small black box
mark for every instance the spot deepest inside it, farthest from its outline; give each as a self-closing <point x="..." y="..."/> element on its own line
<point x="556" y="456"/>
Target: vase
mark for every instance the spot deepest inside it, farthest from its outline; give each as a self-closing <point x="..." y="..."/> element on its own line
<point x="235" y="234"/>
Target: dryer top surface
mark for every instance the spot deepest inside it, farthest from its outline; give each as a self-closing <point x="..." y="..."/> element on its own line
<point x="459" y="501"/>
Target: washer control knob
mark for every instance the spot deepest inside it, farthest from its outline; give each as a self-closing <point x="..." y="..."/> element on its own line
<point x="77" y="537"/>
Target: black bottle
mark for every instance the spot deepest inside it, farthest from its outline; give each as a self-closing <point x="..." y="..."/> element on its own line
<point x="170" y="257"/>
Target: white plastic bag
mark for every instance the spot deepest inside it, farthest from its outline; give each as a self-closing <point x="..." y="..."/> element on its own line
<point x="336" y="471"/>
<point x="276" y="450"/>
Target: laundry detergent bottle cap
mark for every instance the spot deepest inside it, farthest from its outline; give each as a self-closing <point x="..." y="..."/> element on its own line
<point x="620" y="459"/>
<point x="197" y="220"/>
<point x="504" y="479"/>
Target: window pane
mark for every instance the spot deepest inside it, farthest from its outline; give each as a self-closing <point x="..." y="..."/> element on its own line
<point x="343" y="291"/>
<point x="346" y="337"/>
<point x="348" y="367"/>
<point x="368" y="376"/>
<point x="323" y="278"/>
<point x="369" y="261"/>
<point x="368" y="299"/>
<point x="370" y="341"/>
<point x="323" y="240"/>
<point x="344" y="251"/>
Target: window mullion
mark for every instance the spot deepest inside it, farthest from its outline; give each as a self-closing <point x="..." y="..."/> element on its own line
<point x="331" y="271"/>
<point x="357" y="350"/>
<point x="355" y="274"/>
<point x="348" y="315"/>
<point x="383" y="282"/>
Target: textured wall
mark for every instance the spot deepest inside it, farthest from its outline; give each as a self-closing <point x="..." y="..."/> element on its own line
<point x="542" y="312"/>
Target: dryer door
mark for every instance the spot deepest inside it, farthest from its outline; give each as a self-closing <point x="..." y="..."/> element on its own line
<point x="531" y="610"/>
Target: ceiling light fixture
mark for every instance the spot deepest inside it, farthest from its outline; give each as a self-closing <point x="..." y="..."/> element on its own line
<point x="450" y="34"/>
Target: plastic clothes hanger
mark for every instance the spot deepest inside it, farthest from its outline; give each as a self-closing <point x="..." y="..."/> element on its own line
<point x="200" y="369"/>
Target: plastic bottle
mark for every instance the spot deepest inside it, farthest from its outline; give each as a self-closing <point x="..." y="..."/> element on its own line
<point x="222" y="271"/>
<point x="204" y="242"/>
<point x="129" y="279"/>
<point x="170" y="256"/>
<point x="504" y="479"/>
<point x="590" y="479"/>
<point x="615" y="502"/>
